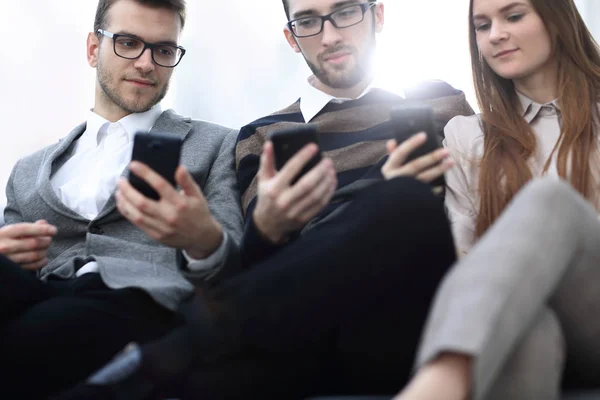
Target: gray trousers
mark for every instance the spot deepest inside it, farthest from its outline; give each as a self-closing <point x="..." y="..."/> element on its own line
<point x="526" y="298"/>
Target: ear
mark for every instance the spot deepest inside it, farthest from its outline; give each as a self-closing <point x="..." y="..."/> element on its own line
<point x="291" y="39"/>
<point x="379" y="17"/>
<point x="93" y="47"/>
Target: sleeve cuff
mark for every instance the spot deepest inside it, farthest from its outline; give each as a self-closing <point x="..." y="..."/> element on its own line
<point x="214" y="261"/>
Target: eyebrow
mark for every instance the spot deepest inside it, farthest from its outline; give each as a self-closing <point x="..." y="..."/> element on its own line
<point x="133" y="35"/>
<point x="311" y="12"/>
<point x="503" y="9"/>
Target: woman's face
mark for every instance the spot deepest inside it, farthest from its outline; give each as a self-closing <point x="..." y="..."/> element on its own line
<point x="512" y="38"/>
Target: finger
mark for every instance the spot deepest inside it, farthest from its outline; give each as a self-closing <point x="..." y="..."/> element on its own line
<point x="29" y="257"/>
<point x="20" y="245"/>
<point x="317" y="199"/>
<point x="403" y="150"/>
<point x="27" y="230"/>
<point x="438" y="190"/>
<point x="157" y="182"/>
<point x="186" y="182"/>
<point x="310" y="213"/>
<point x="36" y="265"/>
<point x="435" y="172"/>
<point x="39" y="242"/>
<point x="391" y="145"/>
<point x="292" y="168"/>
<point x="427" y="161"/>
<point x="146" y="222"/>
<point x="307" y="183"/>
<point x="266" y="169"/>
<point x="141" y="203"/>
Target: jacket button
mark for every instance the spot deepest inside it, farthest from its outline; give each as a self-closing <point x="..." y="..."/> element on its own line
<point x="96" y="230"/>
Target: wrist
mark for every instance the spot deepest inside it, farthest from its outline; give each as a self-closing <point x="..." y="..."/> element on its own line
<point x="266" y="231"/>
<point x="211" y="240"/>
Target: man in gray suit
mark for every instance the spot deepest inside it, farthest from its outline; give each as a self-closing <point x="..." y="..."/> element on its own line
<point x="89" y="263"/>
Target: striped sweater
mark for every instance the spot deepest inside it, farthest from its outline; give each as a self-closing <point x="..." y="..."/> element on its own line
<point x="352" y="134"/>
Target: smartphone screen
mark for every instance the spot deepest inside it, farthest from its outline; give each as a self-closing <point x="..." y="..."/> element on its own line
<point x="160" y="152"/>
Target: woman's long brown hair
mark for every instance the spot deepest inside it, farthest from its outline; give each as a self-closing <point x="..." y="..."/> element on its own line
<point x="509" y="140"/>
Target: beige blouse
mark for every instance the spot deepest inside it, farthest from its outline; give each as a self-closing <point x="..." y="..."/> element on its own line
<point x="464" y="139"/>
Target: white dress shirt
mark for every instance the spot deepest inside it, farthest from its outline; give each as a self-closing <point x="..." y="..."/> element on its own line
<point x="87" y="180"/>
<point x="314" y="100"/>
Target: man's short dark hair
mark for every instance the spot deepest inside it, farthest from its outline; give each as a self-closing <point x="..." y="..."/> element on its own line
<point x="286" y="7"/>
<point x="101" y="20"/>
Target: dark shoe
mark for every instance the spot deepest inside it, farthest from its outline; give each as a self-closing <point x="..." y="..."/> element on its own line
<point x="120" y="379"/>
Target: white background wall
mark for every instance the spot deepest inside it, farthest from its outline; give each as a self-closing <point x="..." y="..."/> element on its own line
<point x="238" y="66"/>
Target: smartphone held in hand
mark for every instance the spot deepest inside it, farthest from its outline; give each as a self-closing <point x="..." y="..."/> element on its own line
<point x="288" y="142"/>
<point x="408" y="120"/>
<point x="160" y="152"/>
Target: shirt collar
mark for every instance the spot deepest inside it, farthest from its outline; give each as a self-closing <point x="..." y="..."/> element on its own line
<point x="140" y="122"/>
<point x="132" y="123"/>
<point x="314" y="100"/>
<point x="530" y="109"/>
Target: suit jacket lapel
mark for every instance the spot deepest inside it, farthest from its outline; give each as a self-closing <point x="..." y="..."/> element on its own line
<point x="169" y="122"/>
<point x="47" y="167"/>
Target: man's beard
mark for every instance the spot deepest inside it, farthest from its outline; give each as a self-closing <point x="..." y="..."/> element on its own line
<point x="341" y="79"/>
<point x="105" y="80"/>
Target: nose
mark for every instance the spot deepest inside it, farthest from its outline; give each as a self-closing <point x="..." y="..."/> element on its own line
<point x="145" y="62"/>
<point x="498" y="33"/>
<point x="330" y="35"/>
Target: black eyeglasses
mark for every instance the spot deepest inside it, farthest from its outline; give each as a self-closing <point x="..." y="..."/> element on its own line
<point x="131" y="48"/>
<point x="343" y="18"/>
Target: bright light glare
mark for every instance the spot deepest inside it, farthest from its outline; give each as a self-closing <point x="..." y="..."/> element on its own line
<point x="238" y="66"/>
<point x="424" y="40"/>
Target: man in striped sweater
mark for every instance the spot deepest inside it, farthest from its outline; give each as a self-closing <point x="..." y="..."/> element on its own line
<point x="346" y="259"/>
<point x="340" y="267"/>
<point x="337" y="40"/>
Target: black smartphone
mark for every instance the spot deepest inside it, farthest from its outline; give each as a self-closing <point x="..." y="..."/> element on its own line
<point x="288" y="142"/>
<point x="160" y="152"/>
<point x="408" y="120"/>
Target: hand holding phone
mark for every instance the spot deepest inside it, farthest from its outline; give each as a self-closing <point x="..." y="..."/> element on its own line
<point x="160" y="152"/>
<point x="288" y="142"/>
<point x="283" y="207"/>
<point x="408" y="120"/>
<point x="420" y="157"/>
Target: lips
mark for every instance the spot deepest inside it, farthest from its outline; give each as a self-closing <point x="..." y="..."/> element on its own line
<point x="336" y="56"/>
<point x="141" y="82"/>
<point x="504" y="53"/>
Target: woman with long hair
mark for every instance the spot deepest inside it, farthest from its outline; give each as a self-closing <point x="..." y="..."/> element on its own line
<point x="522" y="304"/>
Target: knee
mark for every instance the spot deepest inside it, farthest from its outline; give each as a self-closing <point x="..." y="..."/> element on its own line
<point x="549" y="192"/>
<point x="534" y="370"/>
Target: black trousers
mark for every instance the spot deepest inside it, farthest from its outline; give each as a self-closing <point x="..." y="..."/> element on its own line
<point x="339" y="311"/>
<point x="55" y="334"/>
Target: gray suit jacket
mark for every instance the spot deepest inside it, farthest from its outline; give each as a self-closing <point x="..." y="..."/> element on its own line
<point x="126" y="256"/>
